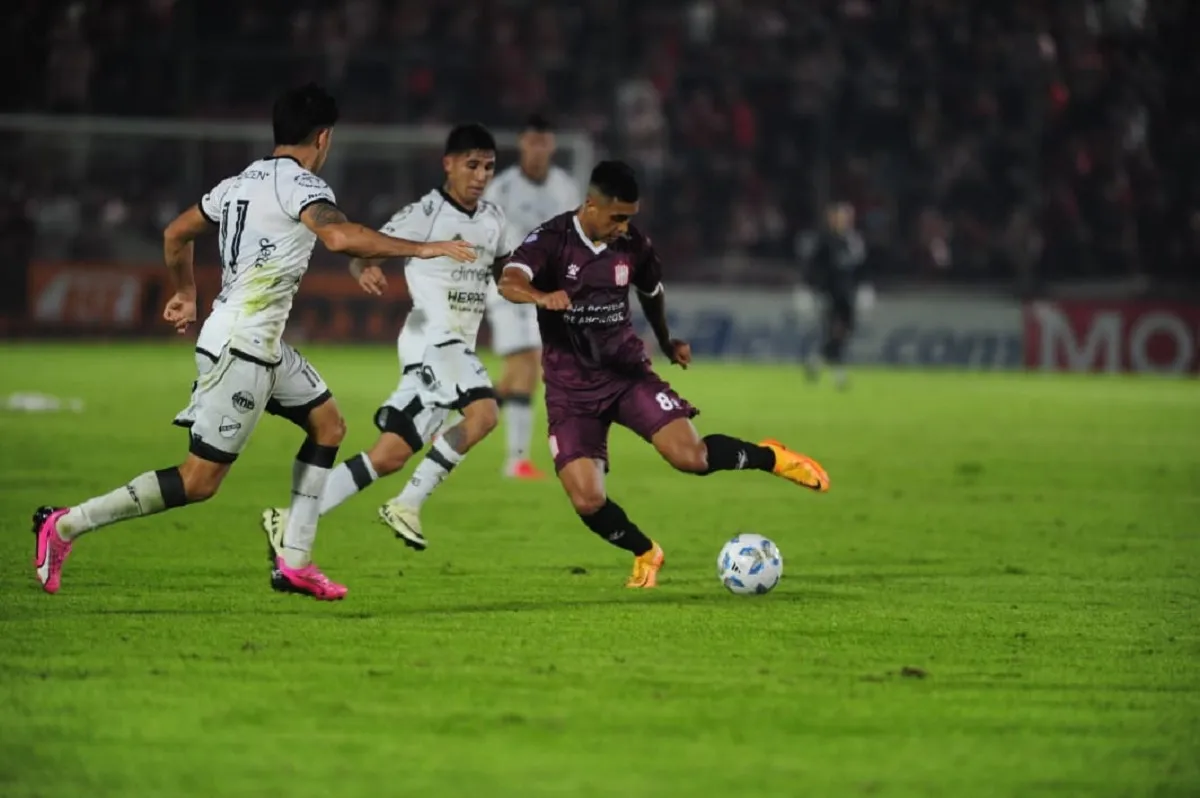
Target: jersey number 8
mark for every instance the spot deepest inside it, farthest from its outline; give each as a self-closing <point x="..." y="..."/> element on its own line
<point x="667" y="402"/>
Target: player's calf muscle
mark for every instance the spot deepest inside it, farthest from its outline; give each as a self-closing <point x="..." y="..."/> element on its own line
<point x="681" y="446"/>
<point x="389" y="454"/>
<point x="200" y="479"/>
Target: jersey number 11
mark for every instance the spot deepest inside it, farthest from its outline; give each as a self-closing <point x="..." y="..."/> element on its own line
<point x="230" y="244"/>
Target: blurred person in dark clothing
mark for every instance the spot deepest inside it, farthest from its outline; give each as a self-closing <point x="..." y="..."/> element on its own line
<point x="833" y="259"/>
<point x="16" y="250"/>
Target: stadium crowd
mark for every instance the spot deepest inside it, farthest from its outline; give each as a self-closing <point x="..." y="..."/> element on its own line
<point x="1009" y="142"/>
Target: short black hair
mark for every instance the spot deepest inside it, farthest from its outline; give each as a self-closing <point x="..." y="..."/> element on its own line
<point x="300" y="113"/>
<point x="469" y="137"/>
<point x="539" y="123"/>
<point x="615" y="180"/>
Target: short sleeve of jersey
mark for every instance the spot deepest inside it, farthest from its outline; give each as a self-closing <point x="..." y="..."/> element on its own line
<point x="411" y="223"/>
<point x="210" y="203"/>
<point x="533" y="255"/>
<point x="647" y="273"/>
<point x="300" y="190"/>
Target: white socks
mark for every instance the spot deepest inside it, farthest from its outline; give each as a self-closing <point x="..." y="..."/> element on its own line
<point x="433" y="469"/>
<point x="310" y="473"/>
<point x="146" y="494"/>
<point x="349" y="478"/>
<point x="518" y="426"/>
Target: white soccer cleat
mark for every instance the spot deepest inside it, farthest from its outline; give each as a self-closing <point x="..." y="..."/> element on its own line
<point x="405" y="522"/>
<point x="274" y="522"/>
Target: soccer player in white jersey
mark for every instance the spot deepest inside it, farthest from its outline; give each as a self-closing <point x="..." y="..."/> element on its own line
<point x="530" y="192"/>
<point x="440" y="373"/>
<point x="270" y="217"/>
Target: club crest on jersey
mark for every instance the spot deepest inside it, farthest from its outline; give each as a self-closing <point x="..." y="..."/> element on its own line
<point x="621" y="273"/>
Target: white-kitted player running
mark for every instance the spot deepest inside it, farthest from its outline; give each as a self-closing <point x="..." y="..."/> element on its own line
<point x="530" y="192"/>
<point x="269" y="217"/>
<point x="440" y="373"/>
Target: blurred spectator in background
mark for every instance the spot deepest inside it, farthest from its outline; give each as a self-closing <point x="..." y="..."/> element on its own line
<point x="833" y="258"/>
<point x="1006" y="143"/>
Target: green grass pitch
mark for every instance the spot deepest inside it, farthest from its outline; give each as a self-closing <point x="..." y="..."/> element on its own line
<point x="999" y="597"/>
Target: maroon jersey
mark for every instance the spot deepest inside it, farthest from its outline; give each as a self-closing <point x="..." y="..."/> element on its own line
<point x="591" y="348"/>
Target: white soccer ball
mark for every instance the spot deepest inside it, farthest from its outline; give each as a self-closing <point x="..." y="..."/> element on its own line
<point x="750" y="564"/>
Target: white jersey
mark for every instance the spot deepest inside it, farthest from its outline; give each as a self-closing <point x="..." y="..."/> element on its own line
<point x="528" y="204"/>
<point x="448" y="296"/>
<point x="265" y="250"/>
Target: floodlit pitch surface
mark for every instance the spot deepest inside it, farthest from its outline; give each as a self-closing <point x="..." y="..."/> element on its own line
<point x="1000" y="596"/>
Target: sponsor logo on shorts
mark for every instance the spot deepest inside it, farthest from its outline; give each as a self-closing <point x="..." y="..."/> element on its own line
<point x="243" y="402"/>
<point x="554" y="446"/>
<point x="429" y="378"/>
<point x="229" y="428"/>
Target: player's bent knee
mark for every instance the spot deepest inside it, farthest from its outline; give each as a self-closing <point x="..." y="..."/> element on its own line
<point x="587" y="501"/>
<point x="333" y="433"/>
<point x="327" y="425"/>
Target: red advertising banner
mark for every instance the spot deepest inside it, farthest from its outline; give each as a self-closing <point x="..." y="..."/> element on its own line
<point x="116" y="299"/>
<point x="1135" y="336"/>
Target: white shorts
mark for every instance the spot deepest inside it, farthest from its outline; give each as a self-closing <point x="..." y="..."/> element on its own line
<point x="231" y="394"/>
<point x="514" y="326"/>
<point x="449" y="377"/>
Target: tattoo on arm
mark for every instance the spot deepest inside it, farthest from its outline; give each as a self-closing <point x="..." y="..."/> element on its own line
<point x="324" y="213"/>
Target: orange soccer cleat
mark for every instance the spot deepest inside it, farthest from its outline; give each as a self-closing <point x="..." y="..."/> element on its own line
<point x="646" y="568"/>
<point x="798" y="468"/>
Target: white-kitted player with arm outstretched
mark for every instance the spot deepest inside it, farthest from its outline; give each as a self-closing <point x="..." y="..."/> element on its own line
<point x="440" y="373"/>
<point x="269" y="218"/>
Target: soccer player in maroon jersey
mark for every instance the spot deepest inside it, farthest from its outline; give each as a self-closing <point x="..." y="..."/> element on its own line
<point x="578" y="268"/>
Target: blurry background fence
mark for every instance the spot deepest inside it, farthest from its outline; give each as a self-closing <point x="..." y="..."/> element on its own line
<point x="1024" y="173"/>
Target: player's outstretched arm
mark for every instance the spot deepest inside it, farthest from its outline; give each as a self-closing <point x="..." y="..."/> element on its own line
<point x="515" y="286"/>
<point x="178" y="254"/>
<point x="343" y="236"/>
<point x="654" y="305"/>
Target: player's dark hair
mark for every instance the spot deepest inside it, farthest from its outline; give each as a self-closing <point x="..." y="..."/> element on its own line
<point x="301" y="113"/>
<point x="615" y="180"/>
<point x="469" y="137"/>
<point x="539" y="123"/>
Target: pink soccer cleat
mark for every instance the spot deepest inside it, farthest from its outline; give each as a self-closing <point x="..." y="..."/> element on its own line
<point x="308" y="581"/>
<point x="52" y="551"/>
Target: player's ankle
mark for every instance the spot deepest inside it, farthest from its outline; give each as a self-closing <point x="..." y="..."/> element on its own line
<point x="295" y="559"/>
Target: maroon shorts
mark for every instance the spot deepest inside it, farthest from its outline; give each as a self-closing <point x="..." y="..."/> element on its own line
<point x="579" y="422"/>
